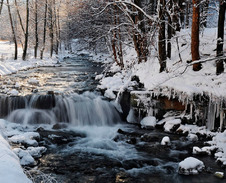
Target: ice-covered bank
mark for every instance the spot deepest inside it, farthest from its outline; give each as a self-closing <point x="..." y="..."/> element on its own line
<point x="10" y="169"/>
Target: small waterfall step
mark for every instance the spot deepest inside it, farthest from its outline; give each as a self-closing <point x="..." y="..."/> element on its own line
<point x="77" y="109"/>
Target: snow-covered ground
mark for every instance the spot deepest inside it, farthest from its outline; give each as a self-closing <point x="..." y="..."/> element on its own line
<point x="8" y="65"/>
<point x="179" y="79"/>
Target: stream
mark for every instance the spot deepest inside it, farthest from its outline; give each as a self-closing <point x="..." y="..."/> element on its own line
<point x="86" y="140"/>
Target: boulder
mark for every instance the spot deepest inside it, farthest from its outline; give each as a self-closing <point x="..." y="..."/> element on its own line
<point x="191" y="166"/>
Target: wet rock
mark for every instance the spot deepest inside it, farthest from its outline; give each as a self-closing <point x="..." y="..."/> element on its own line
<point x="219" y="175"/>
<point x="148" y="137"/>
<point x="50" y="92"/>
<point x="59" y="126"/>
<point x="132" y="141"/>
<point x="34" y="90"/>
<point x="122" y="177"/>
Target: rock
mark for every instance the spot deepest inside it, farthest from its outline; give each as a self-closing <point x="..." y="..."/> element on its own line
<point x="33" y="81"/>
<point x="50" y="93"/>
<point x="34" y="90"/>
<point x="149" y="138"/>
<point x="165" y="141"/>
<point x="132" y="141"/>
<point x="190" y="166"/>
<point x="148" y="122"/>
<point x="192" y="137"/>
<point x="207" y="150"/>
<point x="13" y="92"/>
<point x="59" y="126"/>
<point x="17" y="85"/>
<point x="36" y="152"/>
<point x="172" y="125"/>
<point x="25" y="157"/>
<point x="219" y="175"/>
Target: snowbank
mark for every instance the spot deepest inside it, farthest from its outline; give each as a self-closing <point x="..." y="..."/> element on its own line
<point x="10" y="169"/>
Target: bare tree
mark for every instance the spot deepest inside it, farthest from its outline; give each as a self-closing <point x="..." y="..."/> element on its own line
<point x="13" y="31"/>
<point x="26" y="33"/>
<point x="220" y="37"/>
<point x="195" y="35"/>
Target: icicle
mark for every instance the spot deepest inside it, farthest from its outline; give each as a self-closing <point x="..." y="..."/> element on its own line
<point x="191" y="110"/>
<point x="211" y="116"/>
<point x="221" y="119"/>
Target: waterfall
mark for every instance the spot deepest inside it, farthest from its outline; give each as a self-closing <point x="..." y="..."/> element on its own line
<point x="78" y="110"/>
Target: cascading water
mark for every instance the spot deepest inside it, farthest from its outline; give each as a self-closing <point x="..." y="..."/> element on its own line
<point x="78" y="110"/>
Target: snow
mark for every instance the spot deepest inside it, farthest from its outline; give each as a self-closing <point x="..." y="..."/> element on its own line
<point x="13" y="92"/>
<point x="109" y="94"/>
<point x="25" y="138"/>
<point x="170" y="124"/>
<point x="131" y="117"/>
<point x="179" y="80"/>
<point x="165" y="141"/>
<point x="9" y="66"/>
<point x="33" y="81"/>
<point x="191" y="166"/>
<point x="149" y="121"/>
<point x="25" y="157"/>
<point x="10" y="168"/>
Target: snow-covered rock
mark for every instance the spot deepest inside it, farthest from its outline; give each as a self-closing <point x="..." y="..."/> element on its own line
<point x="165" y="141"/>
<point x="25" y="156"/>
<point x="109" y="94"/>
<point x="171" y="124"/>
<point x="149" y="121"/>
<point x="33" y="81"/>
<point x="190" y="166"/>
<point x="204" y="150"/>
<point x="98" y="77"/>
<point x="26" y="138"/>
<point x="13" y="92"/>
<point x="17" y="85"/>
<point x="36" y="152"/>
<point x="192" y="137"/>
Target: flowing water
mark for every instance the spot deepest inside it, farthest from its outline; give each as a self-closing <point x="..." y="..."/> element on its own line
<point x="88" y="141"/>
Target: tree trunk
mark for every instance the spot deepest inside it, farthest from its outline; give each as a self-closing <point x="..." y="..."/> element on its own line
<point x="36" y="28"/>
<point x="1" y="5"/>
<point x="51" y="33"/>
<point x="44" y="30"/>
<point x="13" y="30"/>
<point x="220" y="36"/>
<point x="162" y="37"/>
<point x="169" y="31"/>
<point x="18" y="14"/>
<point x="26" y="34"/>
<point x="188" y="6"/>
<point x="195" y="35"/>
